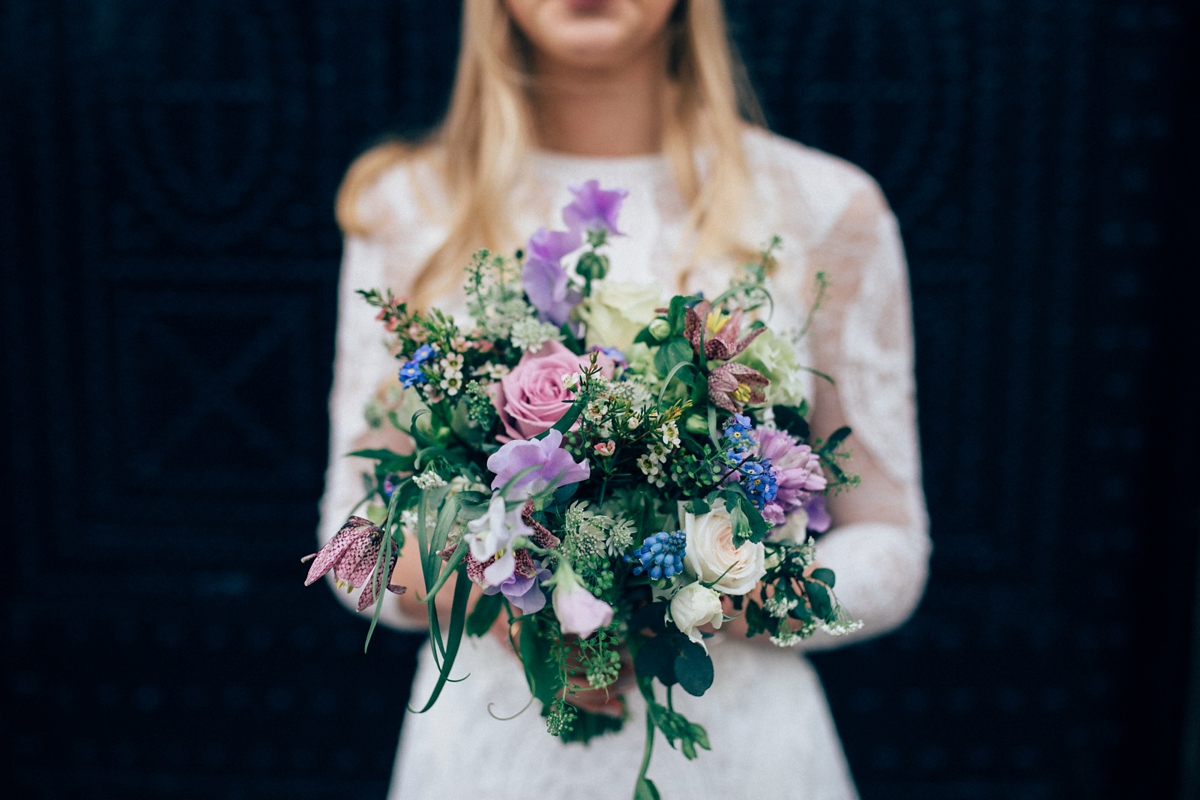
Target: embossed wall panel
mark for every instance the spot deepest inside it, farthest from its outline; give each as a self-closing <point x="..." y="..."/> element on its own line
<point x="171" y="262"/>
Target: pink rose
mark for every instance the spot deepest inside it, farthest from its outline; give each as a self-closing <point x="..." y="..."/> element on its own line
<point x="531" y="398"/>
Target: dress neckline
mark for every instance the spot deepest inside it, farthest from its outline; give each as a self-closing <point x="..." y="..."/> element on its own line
<point x="555" y="161"/>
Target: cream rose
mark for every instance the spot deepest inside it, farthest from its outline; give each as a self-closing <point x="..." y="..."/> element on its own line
<point x="711" y="556"/>
<point x="695" y="605"/>
<point x="616" y="311"/>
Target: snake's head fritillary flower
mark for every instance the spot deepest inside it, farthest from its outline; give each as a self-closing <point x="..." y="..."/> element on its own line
<point x="719" y="331"/>
<point x="731" y="386"/>
<point x="352" y="554"/>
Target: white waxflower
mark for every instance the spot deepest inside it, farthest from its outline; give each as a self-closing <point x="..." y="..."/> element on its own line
<point x="429" y="480"/>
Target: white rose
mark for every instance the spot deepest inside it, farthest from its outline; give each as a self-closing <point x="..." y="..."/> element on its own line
<point x="617" y="311"/>
<point x="711" y="555"/>
<point x="695" y="605"/>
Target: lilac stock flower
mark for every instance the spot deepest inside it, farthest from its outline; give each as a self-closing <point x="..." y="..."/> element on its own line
<point x="594" y="208"/>
<point x="352" y="555"/>
<point x="798" y="477"/>
<point x="554" y="465"/>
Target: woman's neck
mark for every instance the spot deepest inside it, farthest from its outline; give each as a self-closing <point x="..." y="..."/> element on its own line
<point x="610" y="112"/>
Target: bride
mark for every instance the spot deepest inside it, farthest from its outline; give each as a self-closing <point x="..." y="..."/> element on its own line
<point x="644" y="95"/>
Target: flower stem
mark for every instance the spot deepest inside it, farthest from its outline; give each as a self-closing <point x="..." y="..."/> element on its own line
<point x="646" y="752"/>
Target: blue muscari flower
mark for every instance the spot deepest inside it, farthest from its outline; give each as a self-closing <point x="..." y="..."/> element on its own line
<point x="661" y="555"/>
<point x="737" y="431"/>
<point x="411" y="374"/>
<point x="759" y="481"/>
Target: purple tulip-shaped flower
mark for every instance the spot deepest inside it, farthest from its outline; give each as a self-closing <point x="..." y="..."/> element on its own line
<point x="352" y="555"/>
<point x="594" y="208"/>
<point x="554" y="466"/>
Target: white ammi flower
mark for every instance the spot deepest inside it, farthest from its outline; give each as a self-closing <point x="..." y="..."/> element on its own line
<point x="712" y="557"/>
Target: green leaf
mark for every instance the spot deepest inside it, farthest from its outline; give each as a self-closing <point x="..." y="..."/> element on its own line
<point x="458" y="616"/>
<point x="757" y="620"/>
<point x="378" y="455"/>
<point x="677" y="313"/>
<point x="675" y="350"/>
<point x="566" y="420"/>
<point x="835" y="439"/>
<point x="656" y="658"/>
<point x="823" y="575"/>
<point x="483" y="616"/>
<point x="646" y="790"/>
<point x="791" y="420"/>
<point x="693" y="667"/>
<point x="652" y="616"/>
<point x="697" y="506"/>
<point x="818" y="595"/>
<point x="540" y="672"/>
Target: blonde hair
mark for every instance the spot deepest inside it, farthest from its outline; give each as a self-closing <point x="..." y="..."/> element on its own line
<point x="478" y="148"/>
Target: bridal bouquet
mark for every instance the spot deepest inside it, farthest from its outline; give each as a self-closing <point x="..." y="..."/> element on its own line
<point x="616" y="474"/>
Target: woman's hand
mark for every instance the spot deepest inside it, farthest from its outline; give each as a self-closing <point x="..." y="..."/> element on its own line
<point x="607" y="700"/>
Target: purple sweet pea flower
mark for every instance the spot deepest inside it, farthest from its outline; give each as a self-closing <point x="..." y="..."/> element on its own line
<point x="549" y="289"/>
<point x="523" y="592"/>
<point x="553" y="245"/>
<point x="555" y="467"/>
<point x="594" y="208"/>
<point x="578" y="610"/>
<point x="818" y="517"/>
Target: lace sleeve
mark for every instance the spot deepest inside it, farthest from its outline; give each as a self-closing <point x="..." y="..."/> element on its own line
<point x="879" y="546"/>
<point x="362" y="368"/>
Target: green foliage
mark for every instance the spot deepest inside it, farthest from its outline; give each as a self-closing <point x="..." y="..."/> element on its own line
<point x="791" y="420"/>
<point x="748" y="522"/>
<point x="483" y="616"/>
<point x="675" y="350"/>
<point x="674" y="658"/>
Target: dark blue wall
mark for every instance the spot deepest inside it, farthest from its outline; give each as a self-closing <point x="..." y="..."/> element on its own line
<point x="167" y="171"/>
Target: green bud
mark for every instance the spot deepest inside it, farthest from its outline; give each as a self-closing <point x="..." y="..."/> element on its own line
<point x="660" y="329"/>
<point x="592" y="266"/>
<point x="696" y="424"/>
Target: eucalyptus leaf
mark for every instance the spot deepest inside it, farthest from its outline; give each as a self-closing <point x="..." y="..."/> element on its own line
<point x="823" y="575"/>
<point x="818" y="596"/>
<point x="656" y="658"/>
<point x="693" y="668"/>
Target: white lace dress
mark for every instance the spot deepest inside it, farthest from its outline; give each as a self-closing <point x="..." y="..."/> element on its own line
<point x="767" y="718"/>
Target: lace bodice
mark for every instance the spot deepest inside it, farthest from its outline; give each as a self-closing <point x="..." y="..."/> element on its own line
<point x="832" y="218"/>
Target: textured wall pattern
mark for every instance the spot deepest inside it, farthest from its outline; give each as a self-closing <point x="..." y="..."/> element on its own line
<point x="166" y="178"/>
